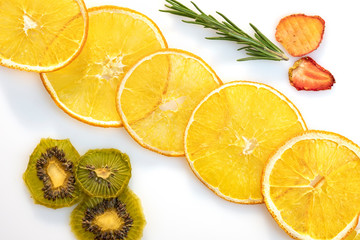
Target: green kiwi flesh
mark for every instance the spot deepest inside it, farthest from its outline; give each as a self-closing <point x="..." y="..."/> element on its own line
<point x="103" y="173"/>
<point x="119" y="218"/>
<point x="50" y="174"/>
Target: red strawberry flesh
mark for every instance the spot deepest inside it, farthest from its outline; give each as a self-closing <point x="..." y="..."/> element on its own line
<point x="306" y="74"/>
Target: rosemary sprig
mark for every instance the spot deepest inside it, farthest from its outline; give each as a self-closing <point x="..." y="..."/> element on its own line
<point x="258" y="47"/>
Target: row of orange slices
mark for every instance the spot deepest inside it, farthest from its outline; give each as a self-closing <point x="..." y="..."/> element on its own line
<point x="113" y="68"/>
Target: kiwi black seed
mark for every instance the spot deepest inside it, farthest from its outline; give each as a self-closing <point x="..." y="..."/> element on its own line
<point x="50" y="174"/>
<point x="119" y="218"/>
<point x="103" y="173"/>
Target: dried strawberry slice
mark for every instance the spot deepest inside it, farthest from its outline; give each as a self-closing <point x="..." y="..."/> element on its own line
<point x="306" y="74"/>
<point x="300" y="34"/>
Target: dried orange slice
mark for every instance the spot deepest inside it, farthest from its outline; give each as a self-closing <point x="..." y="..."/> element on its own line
<point x="156" y="98"/>
<point x="86" y="88"/>
<point x="311" y="186"/>
<point x="40" y="35"/>
<point x="231" y="134"/>
<point x="300" y="34"/>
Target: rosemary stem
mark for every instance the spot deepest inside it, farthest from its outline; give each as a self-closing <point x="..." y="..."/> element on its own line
<point x="258" y="47"/>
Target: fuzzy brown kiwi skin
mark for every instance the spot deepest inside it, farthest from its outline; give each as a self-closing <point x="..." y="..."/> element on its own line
<point x="90" y="161"/>
<point x="35" y="185"/>
<point x="133" y="208"/>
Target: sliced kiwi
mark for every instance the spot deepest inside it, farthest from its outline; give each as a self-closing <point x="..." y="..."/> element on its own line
<point x="103" y="173"/>
<point x="119" y="218"/>
<point x="50" y="174"/>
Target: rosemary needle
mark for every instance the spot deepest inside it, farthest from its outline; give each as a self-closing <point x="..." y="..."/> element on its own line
<point x="258" y="47"/>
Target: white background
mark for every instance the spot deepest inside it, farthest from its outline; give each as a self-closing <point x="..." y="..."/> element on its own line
<point x="177" y="206"/>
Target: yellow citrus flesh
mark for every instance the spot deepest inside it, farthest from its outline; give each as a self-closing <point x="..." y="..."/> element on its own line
<point x="354" y="235"/>
<point x="311" y="186"/>
<point x="86" y="88"/>
<point x="156" y="98"/>
<point x="231" y="134"/>
<point x="41" y="36"/>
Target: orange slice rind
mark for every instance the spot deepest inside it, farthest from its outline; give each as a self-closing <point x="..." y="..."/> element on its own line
<point x="41" y="36"/>
<point x="231" y="134"/>
<point x="156" y="97"/>
<point x="86" y="88"/>
<point x="300" y="34"/>
<point x="310" y="186"/>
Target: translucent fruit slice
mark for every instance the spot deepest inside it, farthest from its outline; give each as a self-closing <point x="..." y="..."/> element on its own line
<point x="231" y="134"/>
<point x="41" y="36"/>
<point x="300" y="34"/>
<point x="306" y="74"/>
<point x="103" y="172"/>
<point x="50" y="174"/>
<point x="156" y="97"/>
<point x="117" y="38"/>
<point x="119" y="218"/>
<point x="311" y="186"/>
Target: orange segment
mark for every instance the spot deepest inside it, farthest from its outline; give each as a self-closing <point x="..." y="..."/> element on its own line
<point x="40" y="35"/>
<point x="156" y="98"/>
<point x="310" y="186"/>
<point x="231" y="134"/>
<point x="300" y="34"/>
<point x="86" y="89"/>
<point x="354" y="235"/>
